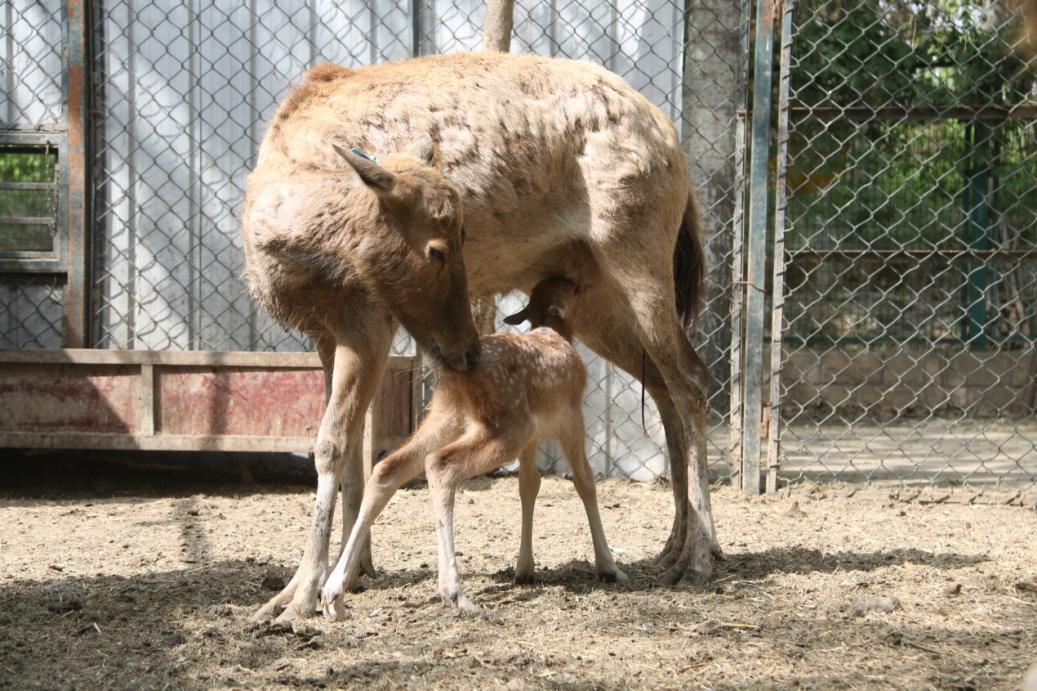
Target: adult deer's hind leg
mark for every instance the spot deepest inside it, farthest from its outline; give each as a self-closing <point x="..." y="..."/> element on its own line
<point x="649" y="296"/>
<point x="362" y="338"/>
<point x="609" y="329"/>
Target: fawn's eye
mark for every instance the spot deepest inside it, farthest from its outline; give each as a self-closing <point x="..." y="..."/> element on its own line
<point x="462" y="235"/>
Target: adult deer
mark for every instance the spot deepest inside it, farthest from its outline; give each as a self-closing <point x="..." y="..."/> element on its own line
<point x="560" y="167"/>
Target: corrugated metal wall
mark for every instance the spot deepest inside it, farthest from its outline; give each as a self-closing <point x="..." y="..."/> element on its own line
<point x="181" y="94"/>
<point x="184" y="90"/>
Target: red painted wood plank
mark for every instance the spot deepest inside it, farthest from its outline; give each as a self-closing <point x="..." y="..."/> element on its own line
<point x="50" y="398"/>
<point x="256" y="402"/>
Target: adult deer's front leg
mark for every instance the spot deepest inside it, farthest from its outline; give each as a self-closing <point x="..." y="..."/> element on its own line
<point x="352" y="494"/>
<point x="359" y="358"/>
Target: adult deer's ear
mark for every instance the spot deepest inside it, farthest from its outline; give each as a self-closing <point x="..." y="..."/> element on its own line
<point x="423" y="150"/>
<point x="517" y="318"/>
<point x="373" y="175"/>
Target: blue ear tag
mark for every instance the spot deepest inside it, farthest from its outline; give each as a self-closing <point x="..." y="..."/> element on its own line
<point x="363" y="154"/>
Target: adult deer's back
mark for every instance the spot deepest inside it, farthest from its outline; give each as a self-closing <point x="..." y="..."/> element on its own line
<point x="536" y="147"/>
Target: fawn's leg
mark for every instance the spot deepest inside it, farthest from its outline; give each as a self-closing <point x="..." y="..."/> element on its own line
<point x="572" y="442"/>
<point x="529" y="487"/>
<point x="478" y="451"/>
<point x="397" y="469"/>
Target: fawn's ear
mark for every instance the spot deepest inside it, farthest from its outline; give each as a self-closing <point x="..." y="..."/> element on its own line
<point x="517" y="318"/>
<point x="556" y="311"/>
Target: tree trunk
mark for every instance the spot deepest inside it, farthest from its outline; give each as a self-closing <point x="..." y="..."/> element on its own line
<point x="496" y="34"/>
<point x="497" y="38"/>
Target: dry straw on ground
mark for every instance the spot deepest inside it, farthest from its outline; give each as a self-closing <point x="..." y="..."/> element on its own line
<point x="137" y="589"/>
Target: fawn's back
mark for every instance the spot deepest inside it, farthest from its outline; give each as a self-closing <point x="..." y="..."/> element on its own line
<point x="536" y="374"/>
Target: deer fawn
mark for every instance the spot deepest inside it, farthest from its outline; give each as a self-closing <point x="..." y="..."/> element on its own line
<point x="527" y="387"/>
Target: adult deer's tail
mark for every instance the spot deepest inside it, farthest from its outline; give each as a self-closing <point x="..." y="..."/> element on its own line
<point x="689" y="264"/>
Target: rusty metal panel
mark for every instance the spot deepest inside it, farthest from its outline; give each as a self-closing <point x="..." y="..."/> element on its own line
<point x="195" y="401"/>
<point x="225" y="401"/>
<point x="68" y="398"/>
<point x="77" y="109"/>
<point x="392" y="404"/>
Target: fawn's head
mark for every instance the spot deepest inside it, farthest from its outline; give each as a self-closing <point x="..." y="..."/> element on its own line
<point x="551" y="304"/>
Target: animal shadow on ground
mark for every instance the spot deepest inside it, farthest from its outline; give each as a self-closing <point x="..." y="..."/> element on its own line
<point x="85" y="631"/>
<point x="803" y="560"/>
<point x="580" y="576"/>
<point x="82" y="630"/>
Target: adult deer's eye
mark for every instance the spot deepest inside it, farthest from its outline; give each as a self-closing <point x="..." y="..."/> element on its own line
<point x="436" y="254"/>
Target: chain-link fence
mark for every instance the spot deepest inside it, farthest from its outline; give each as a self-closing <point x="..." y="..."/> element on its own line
<point x="907" y="243"/>
<point x="904" y="193"/>
<point x="183" y="91"/>
<point x="31" y="313"/>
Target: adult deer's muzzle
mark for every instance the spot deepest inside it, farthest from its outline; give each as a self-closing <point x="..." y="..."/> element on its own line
<point x="463" y="359"/>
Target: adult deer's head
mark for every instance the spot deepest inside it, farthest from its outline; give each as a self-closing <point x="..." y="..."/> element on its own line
<point x="411" y="254"/>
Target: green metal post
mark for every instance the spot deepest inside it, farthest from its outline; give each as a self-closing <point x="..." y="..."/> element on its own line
<point x="977" y="232"/>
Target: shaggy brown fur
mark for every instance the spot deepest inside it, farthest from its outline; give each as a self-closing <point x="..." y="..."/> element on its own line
<point x="558" y="168"/>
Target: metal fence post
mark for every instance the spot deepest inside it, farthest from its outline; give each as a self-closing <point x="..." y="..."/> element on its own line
<point x="756" y="245"/>
<point x="778" y="288"/>
<point x="78" y="110"/>
<point x="738" y="243"/>
<point x="979" y="136"/>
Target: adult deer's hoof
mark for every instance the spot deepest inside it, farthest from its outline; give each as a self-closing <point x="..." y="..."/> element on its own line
<point x="613" y="575"/>
<point x="366" y="566"/>
<point x="457" y="600"/>
<point x="524" y="578"/>
<point x="331" y="601"/>
<point x="277" y="603"/>
<point x="672" y="550"/>
<point x="293" y="613"/>
<point x="694" y="578"/>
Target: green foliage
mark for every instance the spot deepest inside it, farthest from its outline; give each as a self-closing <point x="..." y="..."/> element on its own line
<point x="21" y="165"/>
<point x="884" y="180"/>
<point x="885" y="150"/>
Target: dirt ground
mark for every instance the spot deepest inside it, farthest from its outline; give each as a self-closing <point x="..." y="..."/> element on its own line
<point x="150" y="584"/>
